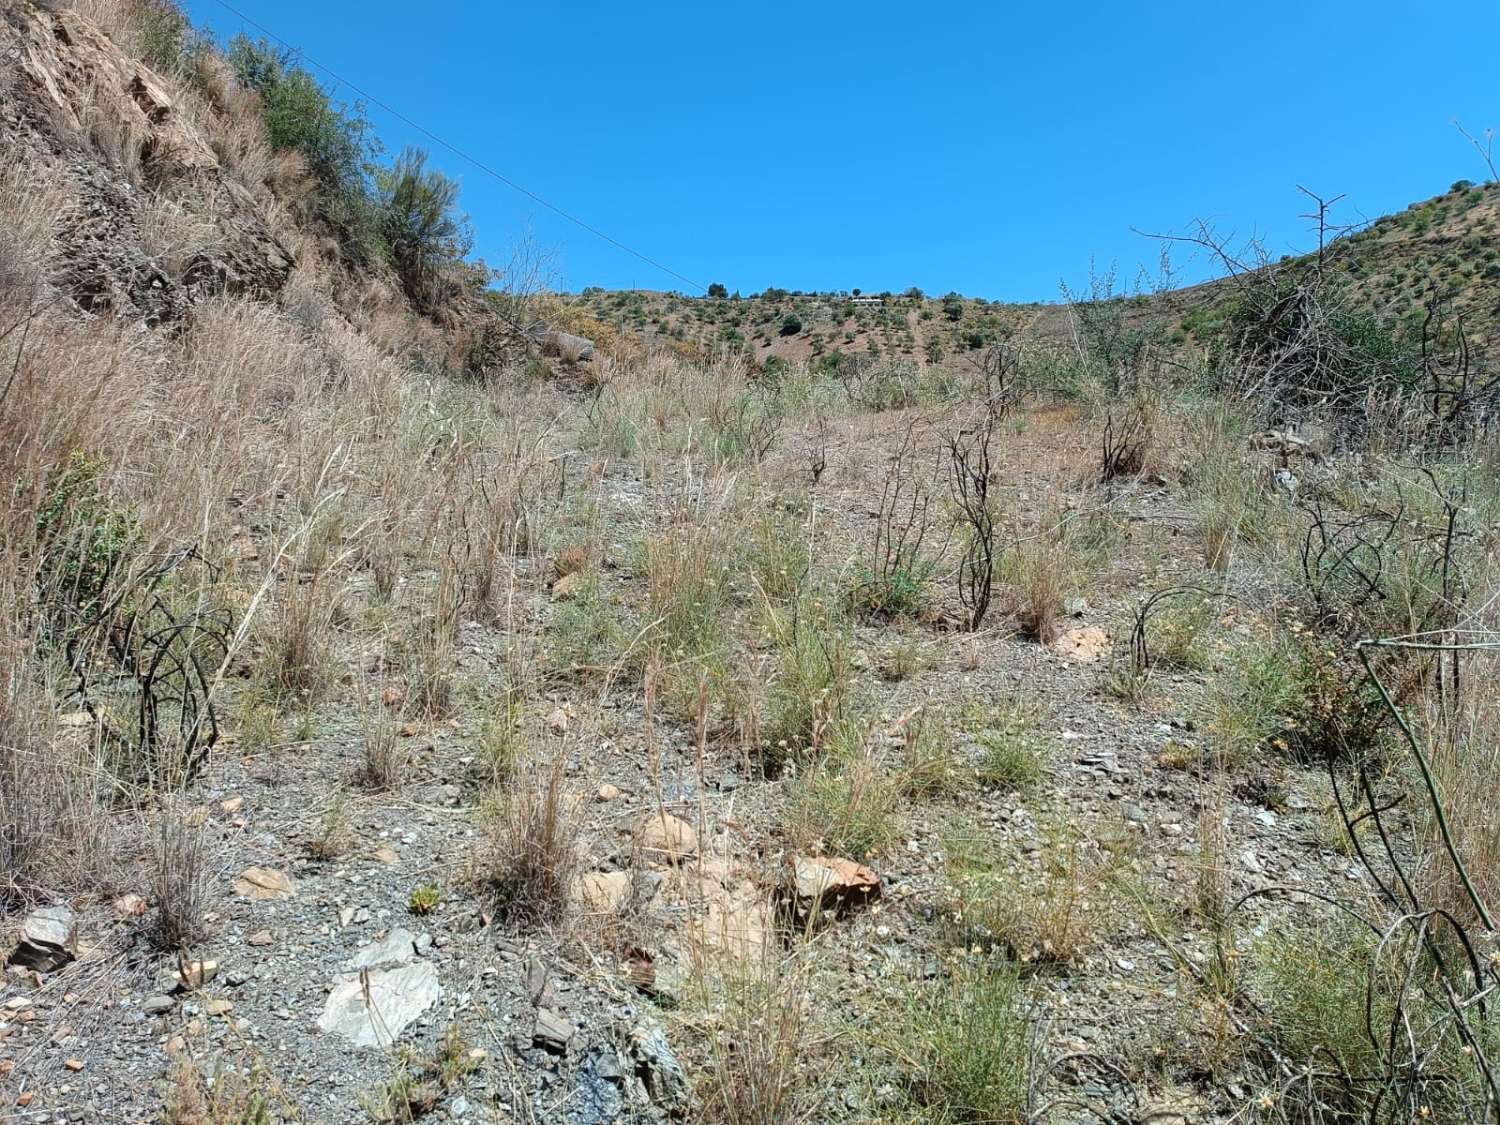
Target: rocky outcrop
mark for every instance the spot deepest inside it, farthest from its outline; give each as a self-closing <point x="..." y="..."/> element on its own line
<point x="152" y="221"/>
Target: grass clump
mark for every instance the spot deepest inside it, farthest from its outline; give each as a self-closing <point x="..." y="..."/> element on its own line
<point x="589" y="633"/>
<point x="847" y="804"/>
<point x="812" y="682"/>
<point x="419" y="1083"/>
<point x="1012" y="754"/>
<point x="971" y="1037"/>
<point x="1043" y="917"/>
<point x="424" y="899"/>
<point x="530" y="850"/>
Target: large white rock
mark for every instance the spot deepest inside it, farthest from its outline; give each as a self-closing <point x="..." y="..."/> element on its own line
<point x="396" y="998"/>
<point x="399" y="948"/>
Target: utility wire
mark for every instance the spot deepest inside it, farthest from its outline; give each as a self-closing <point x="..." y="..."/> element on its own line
<point x="481" y="165"/>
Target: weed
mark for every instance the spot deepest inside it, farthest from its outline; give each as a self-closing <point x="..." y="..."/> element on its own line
<point x="758" y="1073"/>
<point x="425" y="899"/>
<point x="226" y="1096"/>
<point x="812" y="684"/>
<point x="419" y="1084"/>
<point x="931" y="765"/>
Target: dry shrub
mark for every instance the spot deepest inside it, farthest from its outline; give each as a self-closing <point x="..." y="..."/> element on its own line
<point x="244" y="363"/>
<point x="530" y="852"/>
<point x="763" y="1037"/>
<point x="179" y="877"/>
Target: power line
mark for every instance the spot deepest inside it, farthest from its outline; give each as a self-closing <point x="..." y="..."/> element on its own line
<point x="481" y="165"/>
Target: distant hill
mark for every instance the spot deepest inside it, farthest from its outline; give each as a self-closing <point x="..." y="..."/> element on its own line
<point x="1448" y="245"/>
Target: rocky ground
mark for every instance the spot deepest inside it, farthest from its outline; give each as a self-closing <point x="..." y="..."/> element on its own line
<point x="323" y="976"/>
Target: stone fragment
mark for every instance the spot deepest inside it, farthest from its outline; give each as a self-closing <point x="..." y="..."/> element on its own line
<point x="552" y="1032"/>
<point x="264" y="884"/>
<point x="398" y="948"/>
<point x="372" y="1010"/>
<point x="566" y="588"/>
<point x="824" y="883"/>
<point x="664" y="836"/>
<point x="49" y="939"/>
<point x="605" y="892"/>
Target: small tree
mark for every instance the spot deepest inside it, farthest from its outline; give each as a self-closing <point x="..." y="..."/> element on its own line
<point x="718" y="291"/>
<point x="791" y="325"/>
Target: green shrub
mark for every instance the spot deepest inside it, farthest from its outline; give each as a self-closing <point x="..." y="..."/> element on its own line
<point x="791" y="325"/>
<point x="335" y="140"/>
<point x="420" y="226"/>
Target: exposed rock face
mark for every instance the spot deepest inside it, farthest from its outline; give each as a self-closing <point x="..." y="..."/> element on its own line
<point x="124" y="152"/>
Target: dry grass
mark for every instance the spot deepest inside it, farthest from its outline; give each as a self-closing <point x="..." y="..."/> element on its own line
<point x="1464" y="751"/>
<point x="179" y="875"/>
<point x="762" y="1069"/>
<point x="53" y="831"/>
<point x="529" y="857"/>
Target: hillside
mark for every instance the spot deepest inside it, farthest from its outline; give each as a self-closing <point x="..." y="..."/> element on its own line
<point x="1447" y="246"/>
<point x="783" y="708"/>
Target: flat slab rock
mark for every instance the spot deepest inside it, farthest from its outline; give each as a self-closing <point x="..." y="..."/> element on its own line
<point x="264" y="884"/>
<point x="399" y="948"/>
<point x="396" y="998"/>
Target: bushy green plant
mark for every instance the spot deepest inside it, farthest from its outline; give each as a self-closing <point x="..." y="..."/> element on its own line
<point x="335" y="140"/>
<point x="419" y="224"/>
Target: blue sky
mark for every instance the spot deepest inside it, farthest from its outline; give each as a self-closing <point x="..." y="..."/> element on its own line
<point x="990" y="148"/>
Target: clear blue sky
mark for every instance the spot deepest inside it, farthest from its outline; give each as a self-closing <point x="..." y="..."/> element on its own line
<point x="984" y="147"/>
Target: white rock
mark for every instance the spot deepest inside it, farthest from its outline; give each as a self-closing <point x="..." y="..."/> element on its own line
<point x="399" y="948"/>
<point x="396" y="998"/>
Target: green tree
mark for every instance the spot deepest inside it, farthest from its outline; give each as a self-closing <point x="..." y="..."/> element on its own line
<point x="717" y="290"/>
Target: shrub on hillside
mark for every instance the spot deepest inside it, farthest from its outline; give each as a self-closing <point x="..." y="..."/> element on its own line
<point x="420" y="224"/>
<point x="335" y="140"/>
